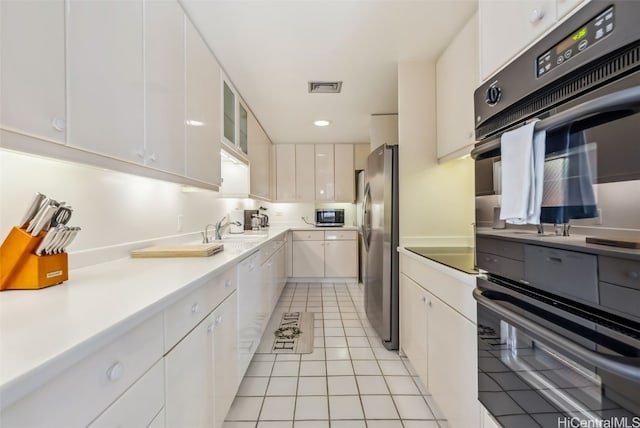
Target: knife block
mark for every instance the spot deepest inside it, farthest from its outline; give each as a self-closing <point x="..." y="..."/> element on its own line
<point x="21" y="269"/>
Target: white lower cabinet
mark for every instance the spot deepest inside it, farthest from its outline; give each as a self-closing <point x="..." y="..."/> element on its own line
<point x="452" y="363"/>
<point x="226" y="379"/>
<point x="340" y="259"/>
<point x="77" y="395"/>
<point x="439" y="340"/>
<point x="139" y="406"/>
<point x="194" y="366"/>
<point x="273" y="277"/>
<point x="252" y="314"/>
<point x="308" y="259"/>
<point x="319" y="254"/>
<point x="413" y="325"/>
<point x="189" y="377"/>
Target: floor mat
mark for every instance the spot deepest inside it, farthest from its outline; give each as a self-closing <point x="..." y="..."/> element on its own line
<point x="292" y="334"/>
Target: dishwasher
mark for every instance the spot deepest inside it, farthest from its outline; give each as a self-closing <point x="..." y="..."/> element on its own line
<point x="251" y="312"/>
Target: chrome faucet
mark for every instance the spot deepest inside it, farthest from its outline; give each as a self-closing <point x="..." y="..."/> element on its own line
<point x="205" y="234"/>
<point x="220" y="226"/>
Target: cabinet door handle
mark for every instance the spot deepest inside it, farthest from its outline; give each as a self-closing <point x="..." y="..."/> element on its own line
<point x="59" y="124"/>
<point x="424" y="299"/>
<point x="218" y="320"/>
<point x="153" y="157"/>
<point x="536" y="15"/>
<point x="195" y="308"/>
<point x="115" y="372"/>
<point x="227" y="283"/>
<point x="634" y="275"/>
<point x="211" y="327"/>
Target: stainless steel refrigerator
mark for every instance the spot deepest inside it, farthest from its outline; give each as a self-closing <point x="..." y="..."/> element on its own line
<point x="362" y="252"/>
<point x="380" y="236"/>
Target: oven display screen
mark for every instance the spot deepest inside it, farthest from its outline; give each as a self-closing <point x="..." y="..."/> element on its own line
<point x="580" y="40"/>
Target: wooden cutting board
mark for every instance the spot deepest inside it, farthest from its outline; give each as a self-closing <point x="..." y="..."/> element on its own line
<point x="621" y="243"/>
<point x="193" y="250"/>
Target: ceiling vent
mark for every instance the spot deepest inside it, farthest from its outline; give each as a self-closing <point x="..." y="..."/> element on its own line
<point x="325" y="87"/>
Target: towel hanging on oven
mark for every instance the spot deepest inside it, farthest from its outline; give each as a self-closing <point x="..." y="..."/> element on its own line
<point x="522" y="152"/>
<point x="568" y="178"/>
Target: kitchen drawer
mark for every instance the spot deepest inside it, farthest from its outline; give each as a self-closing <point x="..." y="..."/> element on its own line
<point x="511" y="250"/>
<point x="513" y="269"/>
<point x="223" y="285"/>
<point x="269" y="249"/>
<point x="574" y="274"/>
<point x="185" y="314"/>
<point x="341" y="235"/>
<point x="77" y="395"/>
<point x="621" y="299"/>
<point x="620" y="271"/>
<point x="308" y="235"/>
<point x="139" y="405"/>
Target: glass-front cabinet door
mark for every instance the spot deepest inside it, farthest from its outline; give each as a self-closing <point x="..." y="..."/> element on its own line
<point x="234" y="118"/>
<point x="229" y="114"/>
<point x="242" y="129"/>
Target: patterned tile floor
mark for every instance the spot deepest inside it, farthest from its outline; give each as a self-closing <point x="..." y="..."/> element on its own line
<point x="349" y="381"/>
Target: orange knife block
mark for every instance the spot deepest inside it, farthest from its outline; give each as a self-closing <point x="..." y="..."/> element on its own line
<point x="21" y="269"/>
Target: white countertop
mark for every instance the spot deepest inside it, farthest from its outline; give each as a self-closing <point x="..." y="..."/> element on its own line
<point x="43" y="332"/>
<point x="465" y="278"/>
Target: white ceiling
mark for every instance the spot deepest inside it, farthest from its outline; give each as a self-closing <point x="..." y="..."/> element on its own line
<point x="271" y="48"/>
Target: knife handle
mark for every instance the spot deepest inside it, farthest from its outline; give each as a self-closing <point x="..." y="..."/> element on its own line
<point x="44" y="220"/>
<point x="46" y="240"/>
<point x="32" y="210"/>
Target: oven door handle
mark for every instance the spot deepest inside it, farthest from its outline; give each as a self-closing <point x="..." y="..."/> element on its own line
<point x="622" y="366"/>
<point x="620" y="101"/>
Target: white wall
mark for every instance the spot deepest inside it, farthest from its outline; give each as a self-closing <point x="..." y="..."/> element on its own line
<point x="436" y="200"/>
<point x="291" y="213"/>
<point x="111" y="207"/>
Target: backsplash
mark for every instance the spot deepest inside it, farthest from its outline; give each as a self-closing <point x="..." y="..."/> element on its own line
<point x="291" y="213"/>
<point x="111" y="207"/>
<point x="617" y="202"/>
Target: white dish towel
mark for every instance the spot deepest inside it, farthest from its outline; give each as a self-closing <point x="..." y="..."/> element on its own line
<point x="522" y="174"/>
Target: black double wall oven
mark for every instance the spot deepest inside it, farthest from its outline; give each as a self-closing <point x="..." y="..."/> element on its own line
<point x="558" y="311"/>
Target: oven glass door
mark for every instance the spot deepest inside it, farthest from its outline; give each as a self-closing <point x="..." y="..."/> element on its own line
<point x="525" y="382"/>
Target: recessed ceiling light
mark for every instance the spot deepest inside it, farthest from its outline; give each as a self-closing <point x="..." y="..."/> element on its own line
<point x="321" y="123"/>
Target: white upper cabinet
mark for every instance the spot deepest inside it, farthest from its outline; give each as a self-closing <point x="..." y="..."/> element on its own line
<point x="259" y="147"/>
<point x="164" y="84"/>
<point x="203" y="110"/>
<point x="324" y="167"/>
<point x="33" y="68"/>
<point x="456" y="79"/>
<point x="344" y="173"/>
<point x="508" y="26"/>
<point x="285" y="172"/>
<point x="234" y="118"/>
<point x="106" y="78"/>
<point x="305" y="177"/>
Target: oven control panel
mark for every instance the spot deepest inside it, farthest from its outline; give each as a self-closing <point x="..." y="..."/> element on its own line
<point x="580" y="40"/>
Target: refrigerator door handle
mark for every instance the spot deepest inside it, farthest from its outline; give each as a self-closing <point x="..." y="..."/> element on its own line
<point x="366" y="228"/>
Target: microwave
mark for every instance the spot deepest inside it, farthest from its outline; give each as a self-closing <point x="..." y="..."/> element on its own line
<point x="333" y="217"/>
